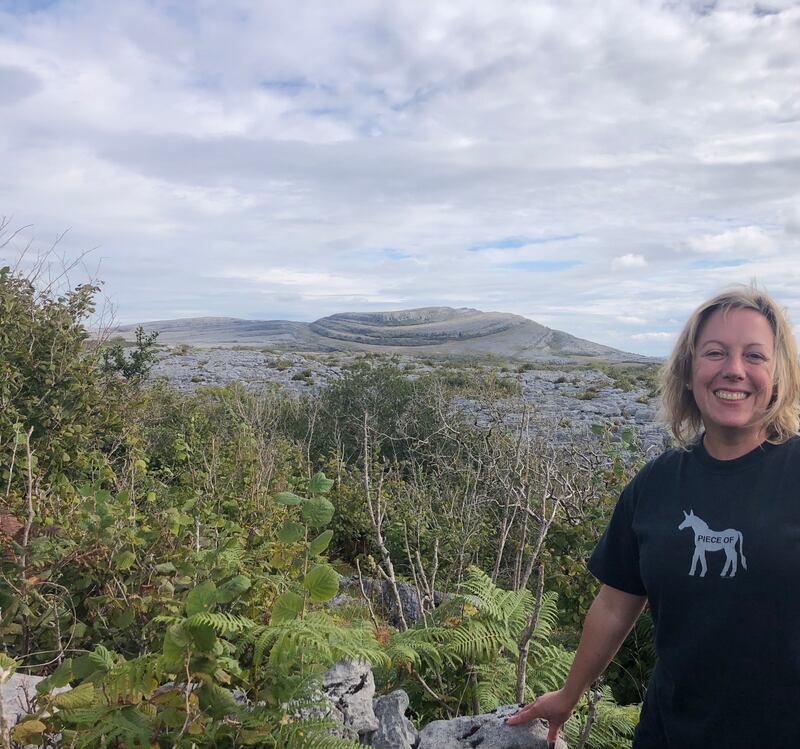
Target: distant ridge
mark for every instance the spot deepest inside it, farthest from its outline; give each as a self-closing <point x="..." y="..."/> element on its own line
<point x="426" y="330"/>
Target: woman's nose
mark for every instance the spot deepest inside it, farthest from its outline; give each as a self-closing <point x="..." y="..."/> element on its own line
<point x="734" y="367"/>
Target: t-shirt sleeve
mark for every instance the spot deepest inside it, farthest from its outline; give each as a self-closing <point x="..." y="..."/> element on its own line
<point x="615" y="559"/>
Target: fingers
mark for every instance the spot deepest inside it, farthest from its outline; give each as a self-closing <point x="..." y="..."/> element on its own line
<point x="529" y="713"/>
<point x="524" y="715"/>
<point x="552" y="734"/>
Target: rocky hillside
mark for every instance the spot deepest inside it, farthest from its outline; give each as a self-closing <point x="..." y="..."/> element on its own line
<point x="427" y="330"/>
<point x="566" y="401"/>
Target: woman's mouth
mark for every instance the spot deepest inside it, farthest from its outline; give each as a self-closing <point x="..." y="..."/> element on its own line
<point x="730" y="395"/>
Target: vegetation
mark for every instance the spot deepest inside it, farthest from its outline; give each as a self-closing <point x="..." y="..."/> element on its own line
<point x="173" y="557"/>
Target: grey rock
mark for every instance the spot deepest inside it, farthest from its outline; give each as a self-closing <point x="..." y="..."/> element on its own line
<point x="350" y="687"/>
<point x="395" y="731"/>
<point x="381" y="593"/>
<point x="18" y="694"/>
<point x="487" y="731"/>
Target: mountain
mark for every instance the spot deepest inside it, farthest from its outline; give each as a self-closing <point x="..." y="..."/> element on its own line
<point x="427" y="330"/>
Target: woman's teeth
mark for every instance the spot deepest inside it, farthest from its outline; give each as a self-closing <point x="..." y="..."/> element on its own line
<point x="726" y="395"/>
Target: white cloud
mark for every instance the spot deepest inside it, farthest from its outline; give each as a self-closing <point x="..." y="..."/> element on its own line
<point x="746" y="241"/>
<point x="628" y="261"/>
<point x="654" y="336"/>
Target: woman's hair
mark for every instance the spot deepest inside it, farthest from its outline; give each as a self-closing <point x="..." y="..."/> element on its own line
<point x="678" y="407"/>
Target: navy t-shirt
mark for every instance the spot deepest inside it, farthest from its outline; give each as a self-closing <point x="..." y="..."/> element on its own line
<point x="715" y="547"/>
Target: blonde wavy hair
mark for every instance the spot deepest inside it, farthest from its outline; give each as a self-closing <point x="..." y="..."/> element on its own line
<point x="678" y="408"/>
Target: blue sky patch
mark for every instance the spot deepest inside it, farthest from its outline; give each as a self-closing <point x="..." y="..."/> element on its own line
<point x="21" y="7"/>
<point x="288" y="86"/>
<point x="514" y="243"/>
<point x="391" y="254"/>
<point x="706" y="264"/>
<point x="542" y="266"/>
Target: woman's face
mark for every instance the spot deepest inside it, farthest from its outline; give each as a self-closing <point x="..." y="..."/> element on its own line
<point x="732" y="377"/>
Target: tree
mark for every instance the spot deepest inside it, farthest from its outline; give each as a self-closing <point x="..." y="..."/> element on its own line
<point x="134" y="366"/>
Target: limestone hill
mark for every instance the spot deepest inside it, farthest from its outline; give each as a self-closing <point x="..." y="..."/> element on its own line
<point x="427" y="330"/>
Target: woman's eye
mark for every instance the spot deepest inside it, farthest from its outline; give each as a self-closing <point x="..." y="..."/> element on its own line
<point x="756" y="357"/>
<point x="714" y="354"/>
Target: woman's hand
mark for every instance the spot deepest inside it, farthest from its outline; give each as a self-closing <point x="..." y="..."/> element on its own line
<point x="554" y="707"/>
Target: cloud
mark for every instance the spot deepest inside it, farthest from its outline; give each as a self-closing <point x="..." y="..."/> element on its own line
<point x="628" y="261"/>
<point x="653" y="336"/>
<point x="746" y="240"/>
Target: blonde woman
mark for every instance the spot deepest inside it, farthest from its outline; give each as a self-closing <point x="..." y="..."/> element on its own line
<point x="709" y="535"/>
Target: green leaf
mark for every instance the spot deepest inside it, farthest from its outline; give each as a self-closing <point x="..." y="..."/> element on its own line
<point x="291" y="532"/>
<point x="29" y="728"/>
<point x="124" y="618"/>
<point x="322" y="583"/>
<point x="287" y="498"/>
<point x="319" y="484"/>
<point x="201" y="598"/>
<point x="81" y="696"/>
<point x="320" y="543"/>
<point x="204" y="637"/>
<point x="102" y="659"/>
<point x="286" y="607"/>
<point x="8" y="664"/>
<point x="82" y="667"/>
<point x="124" y="560"/>
<point x="166" y="568"/>
<point x="318" y="511"/>
<point x="232" y="589"/>
<point x="175" y="644"/>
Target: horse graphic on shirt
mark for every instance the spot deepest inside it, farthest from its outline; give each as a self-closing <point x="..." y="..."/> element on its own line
<point x="708" y="540"/>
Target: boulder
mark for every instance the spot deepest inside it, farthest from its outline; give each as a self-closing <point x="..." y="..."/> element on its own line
<point x="381" y="593"/>
<point x="349" y="686"/>
<point x="395" y="731"/>
<point x="487" y="731"/>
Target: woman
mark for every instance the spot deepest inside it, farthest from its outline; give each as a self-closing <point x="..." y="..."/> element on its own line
<point x="709" y="536"/>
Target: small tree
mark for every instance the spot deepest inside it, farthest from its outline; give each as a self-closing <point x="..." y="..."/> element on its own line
<point x="133" y="365"/>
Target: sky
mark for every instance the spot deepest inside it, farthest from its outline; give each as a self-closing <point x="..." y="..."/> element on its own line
<point x="599" y="167"/>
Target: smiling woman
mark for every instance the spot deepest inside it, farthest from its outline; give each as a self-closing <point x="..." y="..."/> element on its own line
<point x="758" y="341"/>
<point x="726" y="625"/>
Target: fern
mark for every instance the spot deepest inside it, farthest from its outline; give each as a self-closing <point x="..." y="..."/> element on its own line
<point x="476" y="640"/>
<point x="318" y="638"/>
<point x="548" y="666"/>
<point x="127" y="726"/>
<point x="221" y="623"/>
<point x="613" y="725"/>
<point x="417" y="646"/>
<point x="496" y="683"/>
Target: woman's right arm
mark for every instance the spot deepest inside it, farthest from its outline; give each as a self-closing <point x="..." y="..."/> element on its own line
<point x="608" y="622"/>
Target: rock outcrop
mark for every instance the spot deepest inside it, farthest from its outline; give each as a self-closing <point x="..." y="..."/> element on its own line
<point x="382" y="723"/>
<point x="350" y="687"/>
<point x="395" y="731"/>
<point x="487" y="731"/>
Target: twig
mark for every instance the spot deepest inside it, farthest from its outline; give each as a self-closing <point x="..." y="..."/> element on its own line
<point x="365" y="596"/>
<point x="593" y="698"/>
<point x="29" y="520"/>
<point x="525" y="638"/>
